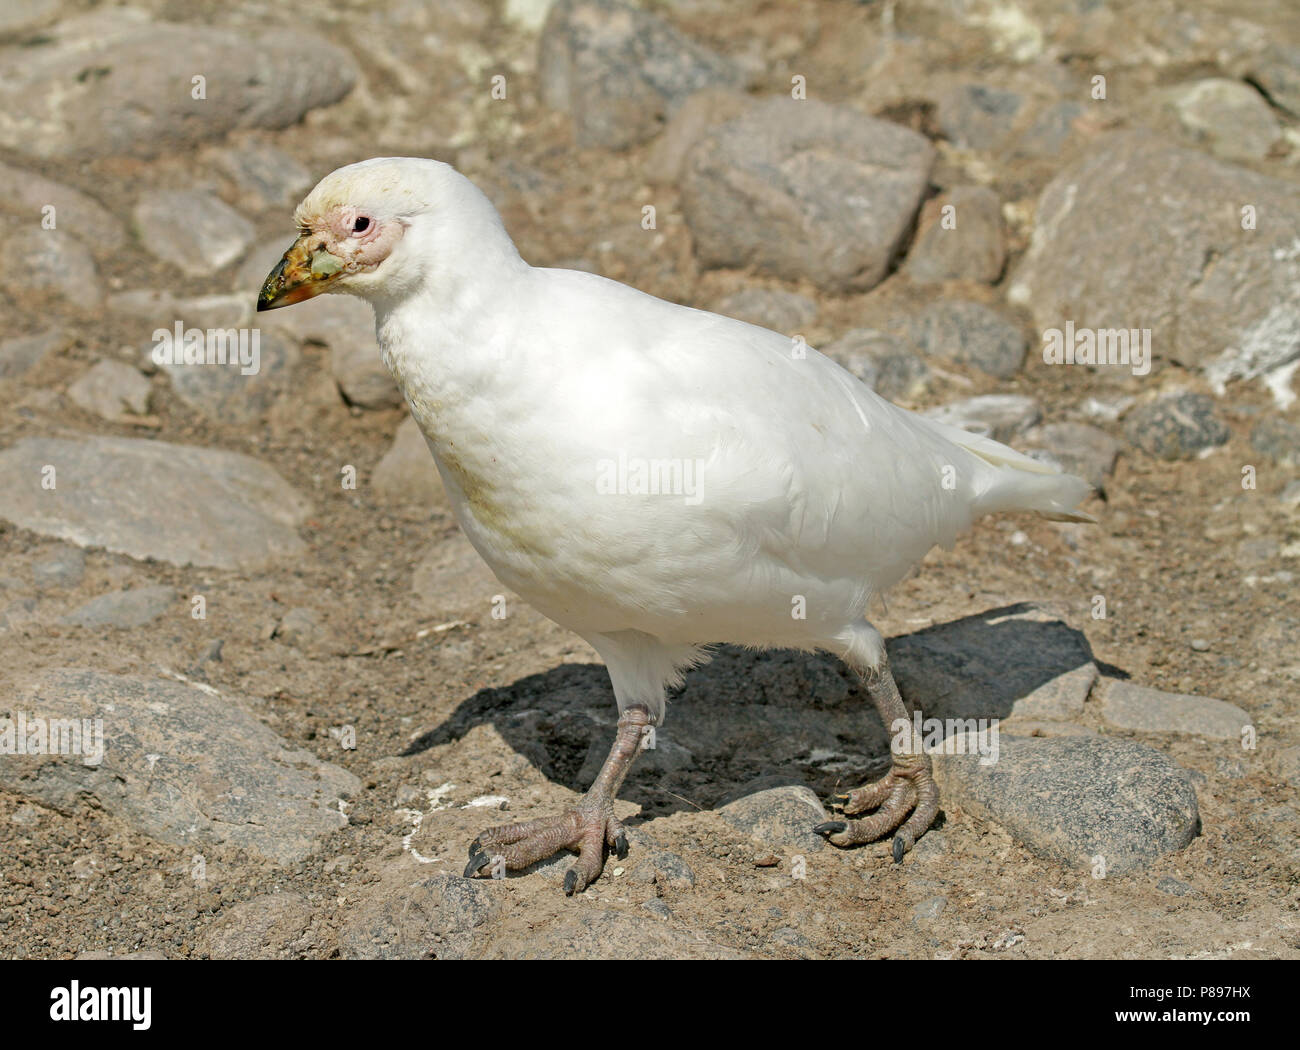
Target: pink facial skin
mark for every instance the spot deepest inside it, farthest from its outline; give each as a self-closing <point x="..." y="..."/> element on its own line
<point x="360" y="249"/>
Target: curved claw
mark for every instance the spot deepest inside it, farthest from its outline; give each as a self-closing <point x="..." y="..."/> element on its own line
<point x="620" y="846"/>
<point x="899" y="849"/>
<point x="477" y="862"/>
<point x="571" y="882"/>
<point x="475" y="847"/>
<point x="839" y="801"/>
<point x="831" y="827"/>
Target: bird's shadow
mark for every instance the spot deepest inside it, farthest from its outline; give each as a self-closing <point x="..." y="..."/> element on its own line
<point x="749" y="718"/>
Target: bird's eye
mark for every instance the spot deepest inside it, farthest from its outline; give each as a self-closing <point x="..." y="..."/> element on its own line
<point x="361" y="224"/>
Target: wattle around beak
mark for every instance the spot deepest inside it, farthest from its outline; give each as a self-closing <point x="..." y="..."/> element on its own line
<point x="307" y="269"/>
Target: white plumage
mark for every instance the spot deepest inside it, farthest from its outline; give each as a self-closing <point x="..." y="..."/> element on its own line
<point x="540" y="390"/>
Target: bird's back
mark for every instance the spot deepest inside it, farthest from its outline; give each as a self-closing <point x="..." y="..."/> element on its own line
<point x="792" y="442"/>
<point x="796" y="477"/>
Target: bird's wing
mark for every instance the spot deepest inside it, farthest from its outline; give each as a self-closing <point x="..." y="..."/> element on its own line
<point x="803" y="461"/>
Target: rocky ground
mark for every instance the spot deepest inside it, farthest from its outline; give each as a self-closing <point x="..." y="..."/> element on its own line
<point x="312" y="693"/>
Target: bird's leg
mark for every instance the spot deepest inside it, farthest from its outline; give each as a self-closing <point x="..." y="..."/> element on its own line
<point x="588" y="828"/>
<point x="908" y="787"/>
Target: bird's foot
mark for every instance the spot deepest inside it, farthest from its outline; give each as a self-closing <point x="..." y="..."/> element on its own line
<point x="588" y="828"/>
<point x="907" y="788"/>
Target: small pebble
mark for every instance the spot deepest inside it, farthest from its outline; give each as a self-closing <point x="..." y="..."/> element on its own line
<point x="1200" y="645"/>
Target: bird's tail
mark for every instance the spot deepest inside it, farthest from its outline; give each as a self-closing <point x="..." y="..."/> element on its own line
<point x="1017" y="482"/>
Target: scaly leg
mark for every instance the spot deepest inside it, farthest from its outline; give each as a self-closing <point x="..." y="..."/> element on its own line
<point x="588" y="828"/>
<point x="907" y="787"/>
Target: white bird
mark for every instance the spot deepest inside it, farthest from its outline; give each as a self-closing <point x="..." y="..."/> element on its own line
<point x="652" y="477"/>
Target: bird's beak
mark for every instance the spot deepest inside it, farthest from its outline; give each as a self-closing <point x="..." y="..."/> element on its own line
<point x="307" y="269"/>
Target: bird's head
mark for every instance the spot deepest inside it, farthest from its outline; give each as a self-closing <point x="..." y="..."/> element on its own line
<point x="357" y="227"/>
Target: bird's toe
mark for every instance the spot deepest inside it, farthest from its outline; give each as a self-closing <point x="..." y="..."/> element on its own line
<point x="589" y="829"/>
<point x="905" y="801"/>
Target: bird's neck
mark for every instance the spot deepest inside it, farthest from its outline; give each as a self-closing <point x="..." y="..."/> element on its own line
<point x="448" y="344"/>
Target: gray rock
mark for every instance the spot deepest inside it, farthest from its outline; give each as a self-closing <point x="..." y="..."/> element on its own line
<point x="1035" y="727"/>
<point x="405" y="917"/>
<point x="1073" y="799"/>
<point x="1229" y="117"/>
<point x="975" y="116"/>
<point x="1050" y="132"/>
<point x="777" y="816"/>
<point x="1189" y="272"/>
<point x="153" y="499"/>
<point x="223" y="393"/>
<point x="52" y="262"/>
<point x="1130" y="706"/>
<point x="21" y="15"/>
<point x="1175" y="426"/>
<point x="1174" y="887"/>
<point x="603" y="933"/>
<point x="882" y="361"/>
<point x="133" y="608"/>
<point x="270" y="926"/>
<point x="805" y="190"/>
<point x="18" y="614"/>
<point x="971" y="250"/>
<point x="112" y="390"/>
<point x="1278" y="441"/>
<point x="702" y="111"/>
<point x="1276" y="69"/>
<point x="194" y="231"/>
<point x="999" y="416"/>
<point x="404" y="39"/>
<point x="217" y="775"/>
<point x="651" y="863"/>
<point x="1076" y="448"/>
<point x="65" y="569"/>
<point x="27" y="815"/>
<point x="27" y="194"/>
<point x="407" y="472"/>
<point x="112" y="81"/>
<point x="361" y="376"/>
<point x="265" y="176"/>
<point x="971" y="334"/>
<point x="347" y="326"/>
<point x="781" y="311"/>
<point x="621" y="72"/>
<point x="929" y="910"/>
<point x="22" y="353"/>
<point x="1020" y="660"/>
<point x="161" y="309"/>
<point x="1285" y="762"/>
